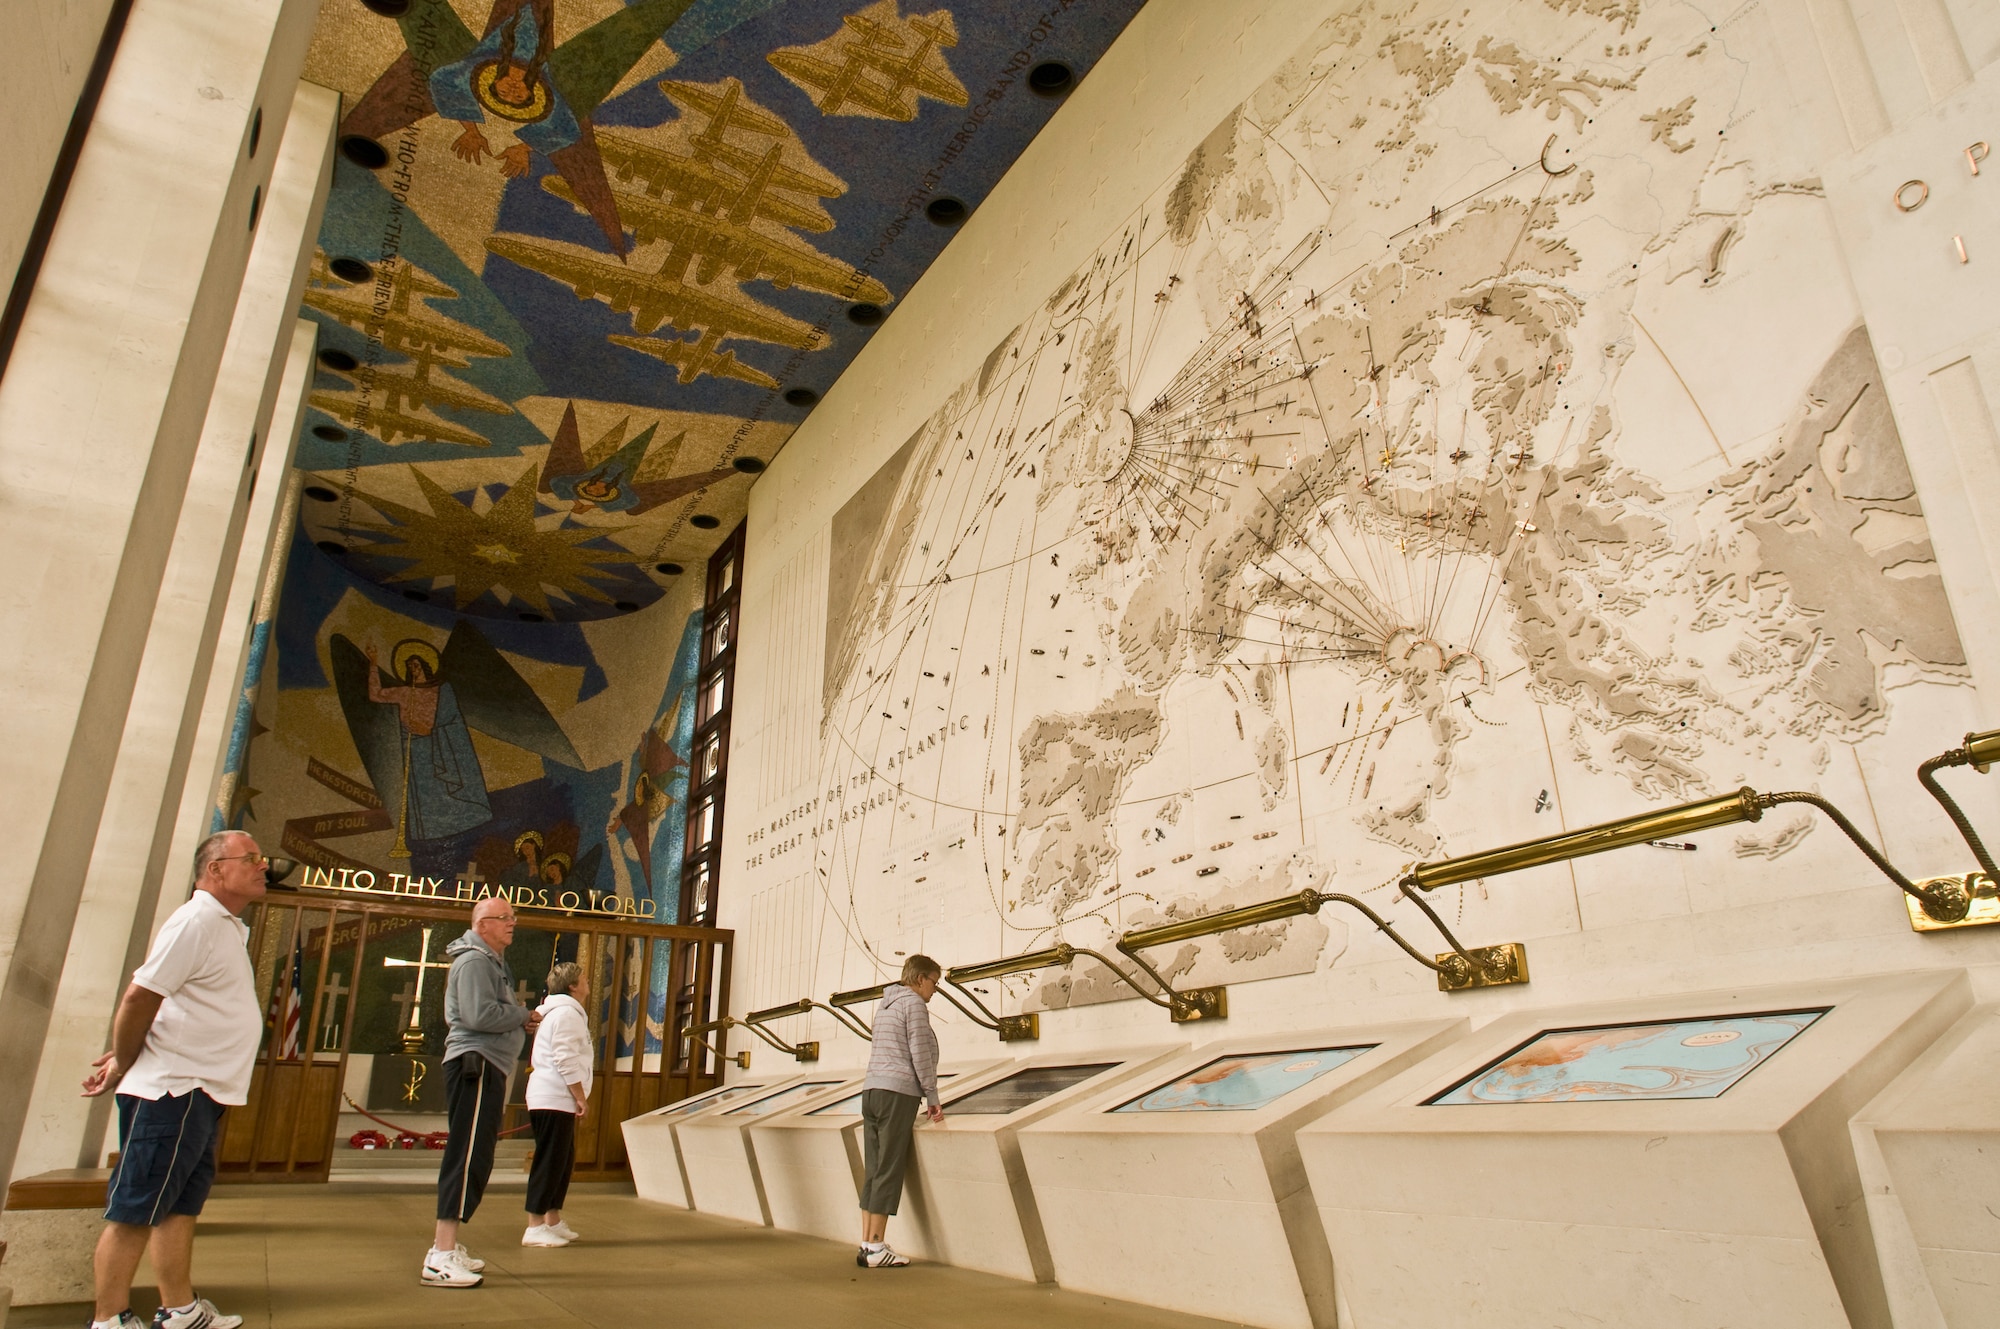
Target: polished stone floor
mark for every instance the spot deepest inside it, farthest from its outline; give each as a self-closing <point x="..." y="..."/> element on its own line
<point x="346" y="1257"/>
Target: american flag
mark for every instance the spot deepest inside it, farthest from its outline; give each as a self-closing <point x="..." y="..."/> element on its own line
<point x="291" y="1015"/>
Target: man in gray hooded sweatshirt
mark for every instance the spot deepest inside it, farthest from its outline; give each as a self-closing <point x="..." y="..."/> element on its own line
<point x="484" y="1041"/>
<point x="902" y="1070"/>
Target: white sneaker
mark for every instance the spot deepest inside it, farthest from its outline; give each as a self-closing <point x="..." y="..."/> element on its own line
<point x="465" y="1258"/>
<point x="443" y="1269"/>
<point x="201" y="1315"/>
<point x="562" y="1229"/>
<point x="539" y="1235"/>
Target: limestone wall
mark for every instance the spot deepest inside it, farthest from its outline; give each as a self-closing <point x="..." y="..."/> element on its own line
<point x="1357" y="434"/>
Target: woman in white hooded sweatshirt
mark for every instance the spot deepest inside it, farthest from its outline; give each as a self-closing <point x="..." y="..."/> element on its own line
<point x="558" y="1093"/>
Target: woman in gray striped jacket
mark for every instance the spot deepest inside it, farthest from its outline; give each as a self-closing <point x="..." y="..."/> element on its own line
<point x="902" y="1071"/>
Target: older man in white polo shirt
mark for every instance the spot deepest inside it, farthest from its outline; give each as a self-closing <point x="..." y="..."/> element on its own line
<point x="182" y="1047"/>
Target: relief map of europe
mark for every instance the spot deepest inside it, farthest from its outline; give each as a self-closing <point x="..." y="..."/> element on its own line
<point x="1388" y="478"/>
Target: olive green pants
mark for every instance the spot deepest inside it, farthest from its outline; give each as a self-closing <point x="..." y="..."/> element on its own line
<point x="887" y="1119"/>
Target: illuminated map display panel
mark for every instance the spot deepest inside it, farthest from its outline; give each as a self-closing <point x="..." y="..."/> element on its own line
<point x="1243" y="1083"/>
<point x="1698" y="1058"/>
<point x="783" y="1098"/>
<point x="851" y="1105"/>
<point x="1024" y="1088"/>
<point x="710" y="1099"/>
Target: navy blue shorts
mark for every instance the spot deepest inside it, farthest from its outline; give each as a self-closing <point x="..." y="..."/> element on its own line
<point x="166" y="1161"/>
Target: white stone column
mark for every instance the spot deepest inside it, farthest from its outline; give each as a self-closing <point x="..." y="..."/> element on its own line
<point x="245" y="454"/>
<point x="101" y="410"/>
<point x="53" y="46"/>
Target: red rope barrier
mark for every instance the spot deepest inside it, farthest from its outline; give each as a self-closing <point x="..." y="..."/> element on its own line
<point x="425" y="1136"/>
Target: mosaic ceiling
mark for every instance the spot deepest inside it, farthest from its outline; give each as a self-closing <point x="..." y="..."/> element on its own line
<point x="586" y="265"/>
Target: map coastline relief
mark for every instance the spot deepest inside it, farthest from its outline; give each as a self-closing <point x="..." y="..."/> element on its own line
<point x="1695" y="1058"/>
<point x="1467" y="444"/>
<point x="1244" y="1082"/>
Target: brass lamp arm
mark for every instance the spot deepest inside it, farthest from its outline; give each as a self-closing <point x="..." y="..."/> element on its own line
<point x="731" y="1022"/>
<point x="693" y="1033"/>
<point x="987" y="1020"/>
<point x="802" y="1006"/>
<point x="1943" y="901"/>
<point x="771" y="1038"/>
<point x="1853" y="833"/>
<point x="848" y="1018"/>
<point x="1171" y="1001"/>
<point x="1977" y="746"/>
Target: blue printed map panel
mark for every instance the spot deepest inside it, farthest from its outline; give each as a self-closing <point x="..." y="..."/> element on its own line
<point x="1244" y="1082"/>
<point x="1699" y="1058"/>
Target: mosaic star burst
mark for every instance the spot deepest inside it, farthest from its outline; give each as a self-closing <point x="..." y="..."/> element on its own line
<point x="501" y="550"/>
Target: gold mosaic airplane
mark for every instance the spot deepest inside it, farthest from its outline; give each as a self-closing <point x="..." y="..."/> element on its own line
<point x="695" y="358"/>
<point x="656" y="299"/>
<point x="721" y="241"/>
<point x="410" y="326"/>
<point x="390" y="424"/>
<point x="878" y="50"/>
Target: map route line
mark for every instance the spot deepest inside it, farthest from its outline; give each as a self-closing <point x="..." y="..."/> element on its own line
<point x="1272" y="139"/>
<point x="1667" y="360"/>
<point x="1359" y="737"/>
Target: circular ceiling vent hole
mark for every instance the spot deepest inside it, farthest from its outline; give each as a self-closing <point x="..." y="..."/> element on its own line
<point x="1051" y="78"/>
<point x="350" y="270"/>
<point x="947" y="211"/>
<point x="669" y="569"/>
<point x="339" y="361"/>
<point x="530" y="616"/>
<point x="333" y="547"/>
<point x="626" y="607"/>
<point x="388" y="8"/>
<point x="702" y="521"/>
<point x="256" y="129"/>
<point x="256" y="205"/>
<point x="421" y="597"/>
<point x="364" y="152"/>
<point x="866" y="316"/>
<point x="330" y="433"/>
<point x="749" y="465"/>
<point x="320" y="494"/>
<point x="802" y="397"/>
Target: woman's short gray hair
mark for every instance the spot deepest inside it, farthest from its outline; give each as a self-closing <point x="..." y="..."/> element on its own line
<point x="563" y="977"/>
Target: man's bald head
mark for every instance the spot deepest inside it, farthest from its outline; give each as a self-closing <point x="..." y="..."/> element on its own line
<point x="493" y="921"/>
<point x="492" y="906"/>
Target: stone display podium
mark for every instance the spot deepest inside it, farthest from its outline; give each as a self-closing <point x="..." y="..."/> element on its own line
<point x="1930" y="1155"/>
<point x="810" y="1159"/>
<point x="1201" y="1153"/>
<point x="968" y="1201"/>
<point x="716" y="1152"/>
<point x="652" y="1151"/>
<point x="1675" y="1162"/>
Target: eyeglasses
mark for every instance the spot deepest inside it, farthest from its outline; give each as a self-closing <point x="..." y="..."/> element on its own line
<point x="255" y="860"/>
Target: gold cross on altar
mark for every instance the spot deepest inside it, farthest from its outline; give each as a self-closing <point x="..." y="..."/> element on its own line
<point x="413" y="1035"/>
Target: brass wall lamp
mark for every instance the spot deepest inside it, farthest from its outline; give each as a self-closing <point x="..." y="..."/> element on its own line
<point x="1011" y="1028"/>
<point x="1945" y="900"/>
<point x="1979" y="752"/>
<point x="693" y="1033"/>
<point x="1457" y="969"/>
<point x="1182" y="1006"/>
<point x="804" y="1006"/>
